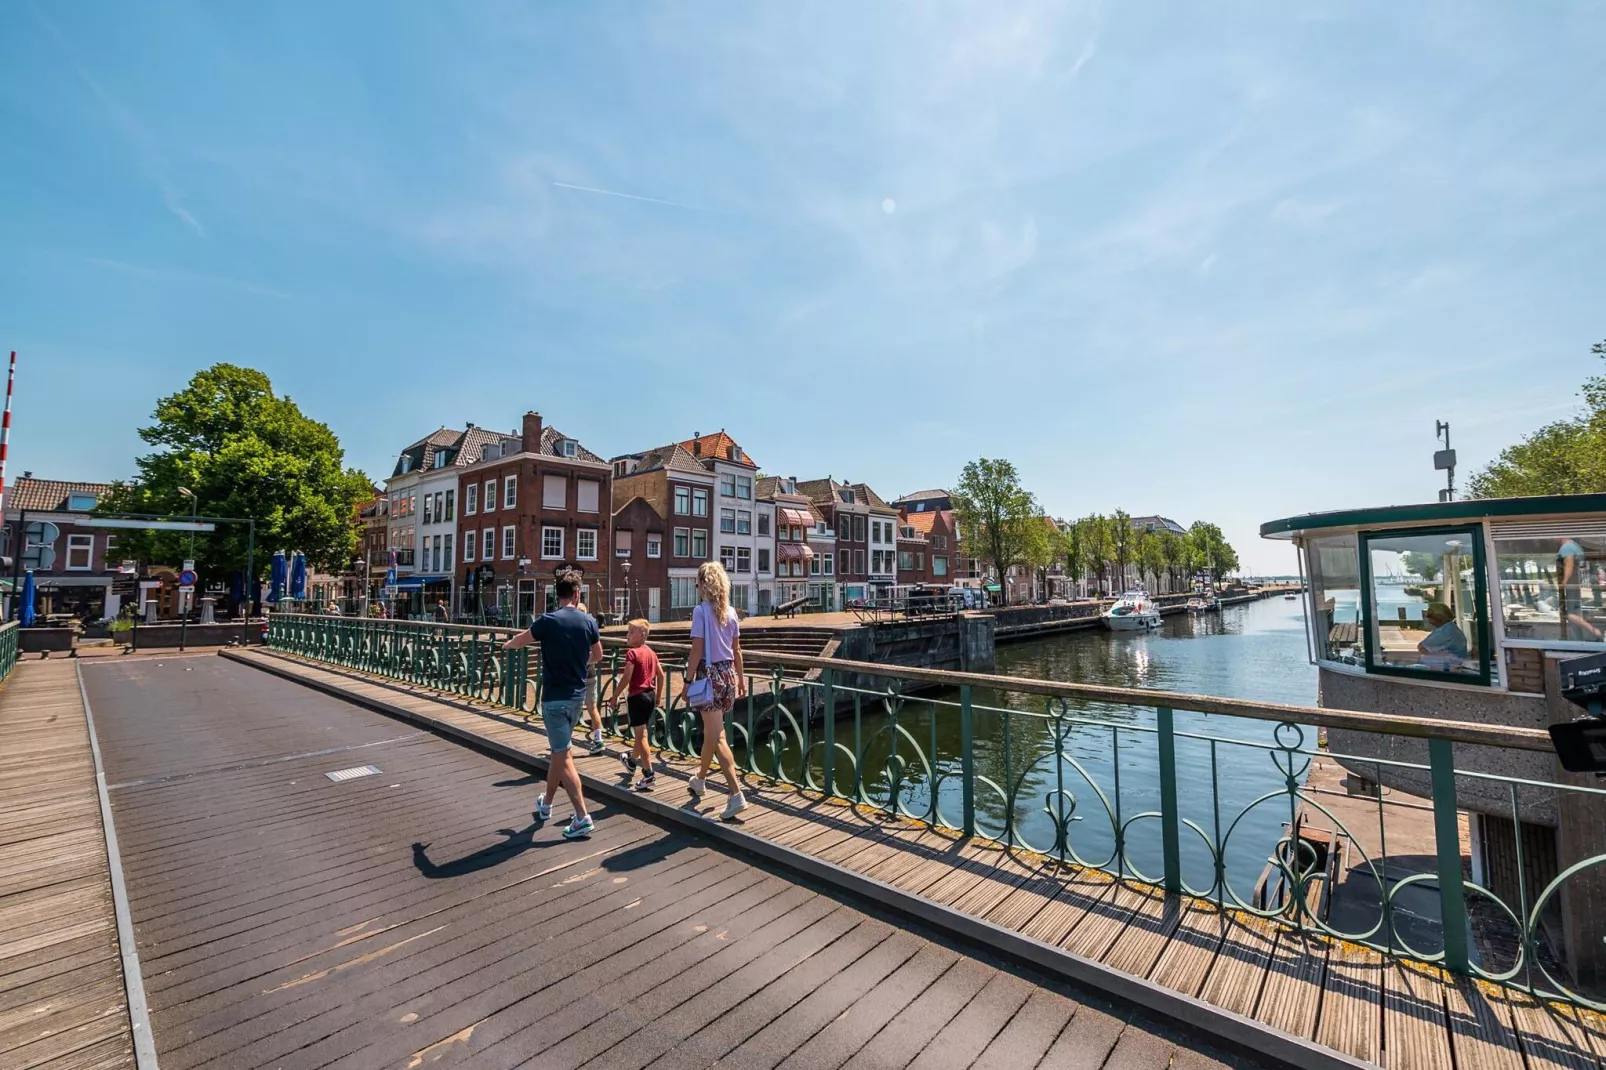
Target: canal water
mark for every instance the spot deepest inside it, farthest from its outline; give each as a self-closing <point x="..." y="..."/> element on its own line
<point x="1104" y="770"/>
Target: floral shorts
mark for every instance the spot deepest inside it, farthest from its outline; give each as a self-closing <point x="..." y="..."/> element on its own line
<point x="723" y="676"/>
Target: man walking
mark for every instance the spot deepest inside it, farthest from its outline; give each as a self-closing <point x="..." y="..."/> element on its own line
<point x="570" y="645"/>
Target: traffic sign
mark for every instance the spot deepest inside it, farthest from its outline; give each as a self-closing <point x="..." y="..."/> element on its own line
<point x="187" y="578"/>
<point x="41" y="531"/>
<point x="39" y="558"/>
<point x="189" y="566"/>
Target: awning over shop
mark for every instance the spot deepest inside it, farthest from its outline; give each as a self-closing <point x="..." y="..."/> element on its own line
<point x="800" y="517"/>
<point x="794" y="551"/>
<point x="409" y="583"/>
<point x="994" y="588"/>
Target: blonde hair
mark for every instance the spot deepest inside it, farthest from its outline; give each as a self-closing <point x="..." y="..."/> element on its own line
<point x="645" y="626"/>
<point x="716" y="588"/>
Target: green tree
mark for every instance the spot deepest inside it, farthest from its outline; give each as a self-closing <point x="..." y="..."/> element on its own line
<point x="244" y="452"/>
<point x="1565" y="457"/>
<point x="999" y="516"/>
<point x="1210" y="550"/>
<point x="1096" y="540"/>
<point x="1150" y="555"/>
<point x="1123" y="544"/>
<point x="1421" y="564"/>
<point x="1070" y="550"/>
<point x="1175" y="551"/>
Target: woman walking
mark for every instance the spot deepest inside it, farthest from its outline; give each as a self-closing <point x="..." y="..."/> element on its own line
<point x="716" y="656"/>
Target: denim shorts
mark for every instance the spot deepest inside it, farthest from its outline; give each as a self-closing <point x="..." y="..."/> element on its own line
<point x="560" y="717"/>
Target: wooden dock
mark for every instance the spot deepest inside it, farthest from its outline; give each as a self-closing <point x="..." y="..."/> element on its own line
<point x="1339" y="997"/>
<point x="62" y="1000"/>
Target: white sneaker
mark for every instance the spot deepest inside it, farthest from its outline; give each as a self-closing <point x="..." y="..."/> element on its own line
<point x="733" y="806"/>
<point x="696" y="786"/>
<point x="543" y="810"/>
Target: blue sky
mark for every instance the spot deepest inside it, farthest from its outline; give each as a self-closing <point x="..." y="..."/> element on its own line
<point x="1224" y="261"/>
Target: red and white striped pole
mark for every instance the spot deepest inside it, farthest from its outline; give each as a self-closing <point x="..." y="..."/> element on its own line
<point x="5" y="430"/>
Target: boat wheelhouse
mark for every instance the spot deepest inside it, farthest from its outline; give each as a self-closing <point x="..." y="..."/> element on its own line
<point x="1462" y="611"/>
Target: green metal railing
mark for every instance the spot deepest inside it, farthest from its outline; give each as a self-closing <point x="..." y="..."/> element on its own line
<point x="8" y="648"/>
<point x="1122" y="780"/>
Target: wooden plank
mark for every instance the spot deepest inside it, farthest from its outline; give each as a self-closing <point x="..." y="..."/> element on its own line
<point x="1149" y="931"/>
<point x="1350" y="1020"/>
<point x="1480" y="1026"/>
<point x="1550" y="1039"/>
<point x="1239" y="971"/>
<point x="1189" y="954"/>
<point x="1415" y="1026"/>
<point x="1291" y="994"/>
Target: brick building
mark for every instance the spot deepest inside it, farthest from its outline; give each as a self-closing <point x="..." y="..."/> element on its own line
<point x="667" y="492"/>
<point x="79" y="580"/>
<point x="801" y="568"/>
<point x="530" y="504"/>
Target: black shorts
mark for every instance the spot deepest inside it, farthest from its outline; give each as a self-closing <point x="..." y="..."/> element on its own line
<point x="640" y="708"/>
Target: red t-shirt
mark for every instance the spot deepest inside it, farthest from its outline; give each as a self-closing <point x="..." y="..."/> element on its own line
<point x="643" y="665"/>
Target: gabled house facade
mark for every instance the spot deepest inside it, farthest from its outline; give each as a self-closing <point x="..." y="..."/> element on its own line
<point x="674" y="487"/>
<point x="79" y="579"/>
<point x="846" y="515"/>
<point x="797" y="561"/>
<point x="532" y="505"/>
<point x="736" y="539"/>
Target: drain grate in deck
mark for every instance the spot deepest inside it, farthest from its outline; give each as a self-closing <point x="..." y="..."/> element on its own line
<point x="353" y="773"/>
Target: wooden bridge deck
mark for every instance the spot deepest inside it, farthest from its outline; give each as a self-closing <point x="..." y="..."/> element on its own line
<point x="288" y="920"/>
<point x="1343" y="997"/>
<point x="62" y="1000"/>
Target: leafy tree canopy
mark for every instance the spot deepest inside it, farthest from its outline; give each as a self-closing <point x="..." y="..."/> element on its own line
<point x="1000" y="517"/>
<point x="1566" y="457"/>
<point x="244" y="452"/>
<point x="1209" y="550"/>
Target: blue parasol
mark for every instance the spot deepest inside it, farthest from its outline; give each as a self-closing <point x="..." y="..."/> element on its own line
<point x="298" y="576"/>
<point x="276" y="577"/>
<point x="26" y="615"/>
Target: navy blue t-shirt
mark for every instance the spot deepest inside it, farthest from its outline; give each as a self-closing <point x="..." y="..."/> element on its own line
<point x="566" y="636"/>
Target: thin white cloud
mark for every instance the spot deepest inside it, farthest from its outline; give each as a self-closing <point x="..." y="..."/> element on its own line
<point x="628" y="196"/>
<point x="155" y="162"/>
<point x="163" y="273"/>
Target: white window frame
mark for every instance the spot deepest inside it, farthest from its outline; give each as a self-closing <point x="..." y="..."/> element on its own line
<point x="744" y="516"/>
<point x="682" y="497"/>
<point x="655" y="546"/>
<point x="727" y="558"/>
<point x="488" y="544"/>
<point x="471" y="499"/>
<point x="510" y="492"/>
<point x="744" y="487"/>
<point x="579" y="544"/>
<point x="509" y="542"/>
<point x="470" y="545"/>
<point x="727" y="485"/>
<point x="490" y="496"/>
<point x="675" y="546"/>
<point x="830" y="564"/>
<point x="699" y="501"/>
<point x="747" y="550"/>
<point x="80" y="542"/>
<point x="554" y="481"/>
<point x="546" y="554"/>
<point x="629" y="537"/>
<point x="727" y="516"/>
<point x="763" y="560"/>
<point x="695" y="553"/>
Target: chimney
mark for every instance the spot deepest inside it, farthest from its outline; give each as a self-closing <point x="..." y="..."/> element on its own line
<point x="532" y="432"/>
<point x="471" y="425"/>
<point x="696" y="443"/>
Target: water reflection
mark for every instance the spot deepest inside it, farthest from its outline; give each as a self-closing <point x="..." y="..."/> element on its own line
<point x="1106" y="772"/>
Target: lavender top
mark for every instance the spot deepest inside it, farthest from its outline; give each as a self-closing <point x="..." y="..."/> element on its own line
<point x="719" y="640"/>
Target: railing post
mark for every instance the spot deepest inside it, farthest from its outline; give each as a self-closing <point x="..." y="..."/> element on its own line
<point x="828" y="763"/>
<point x="1169" y="818"/>
<point x="1447" y="841"/>
<point x="967" y="762"/>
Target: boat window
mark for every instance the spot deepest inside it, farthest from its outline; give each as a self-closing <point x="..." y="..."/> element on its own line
<point x="1552" y="582"/>
<point x="1426" y="604"/>
<point x="1335" y="582"/>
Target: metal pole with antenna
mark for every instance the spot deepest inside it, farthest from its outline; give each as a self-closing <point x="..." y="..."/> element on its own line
<point x="1444" y="460"/>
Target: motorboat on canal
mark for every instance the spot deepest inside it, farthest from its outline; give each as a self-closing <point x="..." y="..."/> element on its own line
<point x="1132" y="612"/>
<point x="1198" y="605"/>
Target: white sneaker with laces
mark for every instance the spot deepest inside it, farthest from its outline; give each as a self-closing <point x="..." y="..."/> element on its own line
<point x="733" y="806"/>
<point x="543" y="810"/>
<point x="696" y="786"/>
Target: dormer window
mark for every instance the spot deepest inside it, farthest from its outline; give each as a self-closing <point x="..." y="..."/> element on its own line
<point x="736" y="453"/>
<point x="440" y="458"/>
<point x="568" y="447"/>
<point x="406" y="464"/>
<point x="846" y="494"/>
<point x="80" y="503"/>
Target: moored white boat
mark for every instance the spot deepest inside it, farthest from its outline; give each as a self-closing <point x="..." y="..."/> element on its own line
<point x="1132" y="612"/>
<point x="1198" y="605"/>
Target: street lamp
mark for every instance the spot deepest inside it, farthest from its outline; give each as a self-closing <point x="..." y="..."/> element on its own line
<point x="187" y="601"/>
<point x="195" y="503"/>
<point x="630" y="602"/>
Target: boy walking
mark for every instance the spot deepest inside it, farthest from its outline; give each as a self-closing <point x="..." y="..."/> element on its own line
<point x="643" y="678"/>
<point x="570" y="645"/>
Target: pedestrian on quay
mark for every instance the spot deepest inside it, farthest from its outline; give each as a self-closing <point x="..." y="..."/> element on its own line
<point x="643" y="679"/>
<point x="570" y="645"/>
<point x="716" y="657"/>
<point x="593" y="712"/>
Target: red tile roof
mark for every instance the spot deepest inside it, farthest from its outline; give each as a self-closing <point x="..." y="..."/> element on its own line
<point x="41" y="495"/>
<point x="718" y="445"/>
<point x="922" y="522"/>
